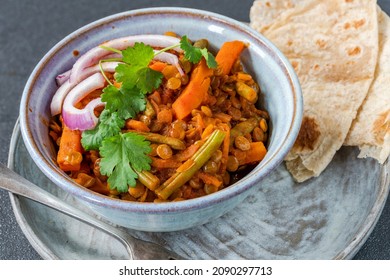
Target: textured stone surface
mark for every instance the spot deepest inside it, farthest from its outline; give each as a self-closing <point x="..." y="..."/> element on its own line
<point x="29" y="29"/>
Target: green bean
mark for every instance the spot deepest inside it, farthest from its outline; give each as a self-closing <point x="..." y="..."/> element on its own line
<point x="246" y="91"/>
<point x="192" y="165"/>
<point x="148" y="179"/>
<point x="243" y="128"/>
<point x="174" y="143"/>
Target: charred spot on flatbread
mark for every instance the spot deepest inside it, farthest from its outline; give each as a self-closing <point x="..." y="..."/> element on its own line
<point x="308" y="135"/>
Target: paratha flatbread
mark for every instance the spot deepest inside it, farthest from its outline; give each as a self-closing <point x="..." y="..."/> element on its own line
<point x="333" y="46"/>
<point x="370" y="131"/>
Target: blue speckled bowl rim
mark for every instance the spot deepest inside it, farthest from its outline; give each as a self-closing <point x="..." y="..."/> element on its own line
<point x="181" y="206"/>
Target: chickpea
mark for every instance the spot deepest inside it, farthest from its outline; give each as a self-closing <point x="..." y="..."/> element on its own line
<point x="235" y="113"/>
<point x="174" y="83"/>
<point x="232" y="164"/>
<point x="153" y="152"/>
<point x="156" y="126"/>
<point x="217" y="156"/>
<point x="242" y="143"/>
<point x="165" y="116"/>
<point x="207" y="111"/>
<point x="164" y="151"/>
<point x="210" y="167"/>
<point x="186" y="65"/>
<point x="169" y="71"/>
<point x="201" y="43"/>
<point x="263" y="125"/>
<point x="177" y="130"/>
<point x="195" y="183"/>
<point x="258" y="135"/>
<point x="137" y="191"/>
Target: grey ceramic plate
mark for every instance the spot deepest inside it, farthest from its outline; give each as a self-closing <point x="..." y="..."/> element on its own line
<point x="329" y="217"/>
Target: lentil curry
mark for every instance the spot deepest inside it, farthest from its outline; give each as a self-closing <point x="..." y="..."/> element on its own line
<point x="198" y="128"/>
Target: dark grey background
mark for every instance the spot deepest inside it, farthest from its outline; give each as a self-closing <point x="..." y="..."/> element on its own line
<point x="28" y="29"/>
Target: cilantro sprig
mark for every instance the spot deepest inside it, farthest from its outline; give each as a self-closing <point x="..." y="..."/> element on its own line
<point x="122" y="155"/>
<point x="125" y="154"/>
<point x="194" y="54"/>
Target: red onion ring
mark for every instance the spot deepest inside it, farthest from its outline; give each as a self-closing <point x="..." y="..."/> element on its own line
<point x="63" y="77"/>
<point x="82" y="119"/>
<point x="65" y="88"/>
<point x="94" y="55"/>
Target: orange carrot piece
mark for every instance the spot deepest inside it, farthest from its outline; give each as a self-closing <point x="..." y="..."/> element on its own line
<point x="187" y="153"/>
<point x="69" y="155"/>
<point x="255" y="154"/>
<point x="195" y="91"/>
<point x="165" y="163"/>
<point x="137" y="125"/>
<point x="228" y="54"/>
<point x="158" y="66"/>
<point x="209" y="179"/>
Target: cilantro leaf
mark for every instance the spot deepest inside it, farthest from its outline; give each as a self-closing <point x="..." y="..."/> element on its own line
<point x="191" y="53"/>
<point x="122" y="155"/>
<point x="143" y="78"/>
<point x="210" y="59"/>
<point x="109" y="125"/>
<point x="125" y="73"/>
<point x="148" y="79"/>
<point x="139" y="55"/>
<point x="126" y="101"/>
<point x="194" y="54"/>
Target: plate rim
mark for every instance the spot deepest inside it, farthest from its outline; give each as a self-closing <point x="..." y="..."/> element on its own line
<point x="38" y="245"/>
<point x="348" y="252"/>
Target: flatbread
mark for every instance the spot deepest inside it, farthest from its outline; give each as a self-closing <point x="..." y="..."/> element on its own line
<point x="264" y="13"/>
<point x="370" y="131"/>
<point x="333" y="47"/>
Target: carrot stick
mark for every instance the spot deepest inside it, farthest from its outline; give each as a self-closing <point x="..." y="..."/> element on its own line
<point x="187" y="153"/>
<point x="228" y="54"/>
<point x="256" y="153"/>
<point x="195" y="91"/>
<point x="69" y="155"/>
<point x="137" y="125"/>
<point x="165" y="163"/>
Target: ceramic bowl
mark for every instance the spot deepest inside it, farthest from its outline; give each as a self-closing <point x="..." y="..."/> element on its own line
<point x="281" y="97"/>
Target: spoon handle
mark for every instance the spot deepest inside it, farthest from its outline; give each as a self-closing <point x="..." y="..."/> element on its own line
<point x="13" y="182"/>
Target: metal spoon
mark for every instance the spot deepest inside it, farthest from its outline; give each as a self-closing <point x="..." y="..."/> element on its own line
<point x="136" y="248"/>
